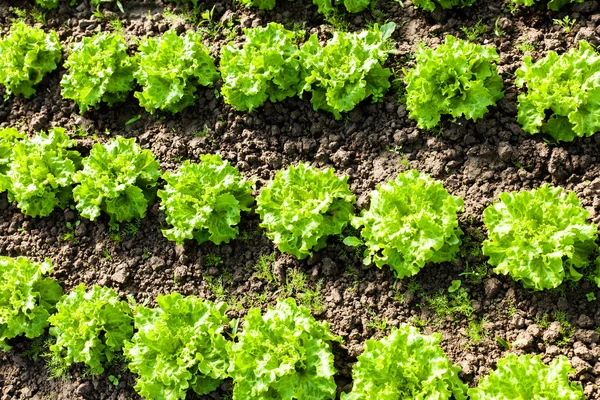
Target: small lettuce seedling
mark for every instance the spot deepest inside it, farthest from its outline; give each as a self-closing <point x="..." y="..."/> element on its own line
<point x="100" y="70"/>
<point x="529" y="378"/>
<point x="457" y="78"/>
<point x="429" y="5"/>
<point x="302" y="206"/>
<point x="27" y="54"/>
<point x="27" y="298"/>
<point x="405" y="365"/>
<point x="553" y="5"/>
<point x="204" y="201"/>
<point x="539" y="237"/>
<point x="563" y="94"/>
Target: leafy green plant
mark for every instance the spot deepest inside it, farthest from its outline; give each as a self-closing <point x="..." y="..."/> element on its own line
<point x="528" y="377"/>
<point x="348" y="69"/>
<point x="47" y="4"/>
<point x="118" y="178"/>
<point x="99" y="70"/>
<point x="204" y="201"/>
<point x="42" y="172"/>
<point x="170" y="70"/>
<point x="539" y="237"/>
<point x="27" y="298"/>
<point x="411" y="221"/>
<point x="553" y="5"/>
<point x="89" y="327"/>
<point x="302" y="206"/>
<point x="283" y="354"/>
<point x="326" y="7"/>
<point x="457" y="78"/>
<point x="429" y="5"/>
<point x="178" y="346"/>
<point x="27" y="54"/>
<point x="405" y="365"/>
<point x="563" y="94"/>
<point x="265" y="68"/>
<point x="8" y="139"/>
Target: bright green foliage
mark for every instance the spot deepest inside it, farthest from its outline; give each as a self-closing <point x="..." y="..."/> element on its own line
<point x="42" y="172"/>
<point x="47" y="4"/>
<point x="170" y="70"/>
<point x="553" y="5"/>
<point x="89" y="327"/>
<point x="348" y="69"/>
<point x="411" y="221"/>
<point x="283" y="354"/>
<point x="260" y="4"/>
<point x="8" y="139"/>
<point x="563" y="94"/>
<point x="429" y="5"/>
<point x="325" y="7"/>
<point x="99" y="70"/>
<point x="539" y="237"/>
<point x="405" y="365"/>
<point x="527" y="377"/>
<point x="457" y="78"/>
<point x="27" y="298"/>
<point x="118" y="178"/>
<point x="178" y="346"/>
<point x="204" y="201"/>
<point x="302" y="206"/>
<point x="266" y="67"/>
<point x="27" y="54"/>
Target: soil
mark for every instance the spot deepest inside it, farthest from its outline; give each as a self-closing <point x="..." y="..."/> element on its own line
<point x="475" y="160"/>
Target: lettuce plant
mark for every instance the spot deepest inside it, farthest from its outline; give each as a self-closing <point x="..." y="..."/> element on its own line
<point x="429" y="5"/>
<point x="527" y="377"/>
<point x="99" y="70"/>
<point x="204" y="201"/>
<point x="8" y="139"/>
<point x="283" y="354"/>
<point x="325" y="7"/>
<point x="348" y="69"/>
<point x="411" y="221"/>
<point x="553" y="5"/>
<point x="89" y="327"/>
<point x="27" y="54"/>
<point x="405" y="365"/>
<point x="118" y="178"/>
<point x="42" y="172"/>
<point x="47" y="4"/>
<point x="539" y="237"/>
<point x="457" y="78"/>
<point x="265" y="68"/>
<point x="170" y="70"/>
<point x="302" y="206"/>
<point x="178" y="346"/>
<point x="563" y="94"/>
<point x="27" y="298"/>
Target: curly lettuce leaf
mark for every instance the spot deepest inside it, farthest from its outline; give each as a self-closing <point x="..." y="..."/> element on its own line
<point x="539" y="237"/>
<point x="283" y="354"/>
<point x="457" y="78"/>
<point x="527" y="377"/>
<point x="348" y="69"/>
<point x="118" y="178"/>
<point x="204" y="201"/>
<point x="302" y="206"/>
<point x="265" y="68"/>
<point x="405" y="365"/>
<point x="563" y="94"/>
<point x="553" y="5"/>
<point x="170" y="70"/>
<point x="100" y="70"/>
<point x="47" y="4"/>
<point x="8" y="139"/>
<point x="411" y="221"/>
<point x="429" y="5"/>
<point x="178" y="346"/>
<point x="42" y="172"/>
<point x="27" y="298"/>
<point x="89" y="327"/>
<point x="27" y="54"/>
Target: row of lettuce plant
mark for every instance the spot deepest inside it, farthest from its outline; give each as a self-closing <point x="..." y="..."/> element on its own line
<point x="539" y="237"/>
<point x="189" y="344"/>
<point x="457" y="79"/>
